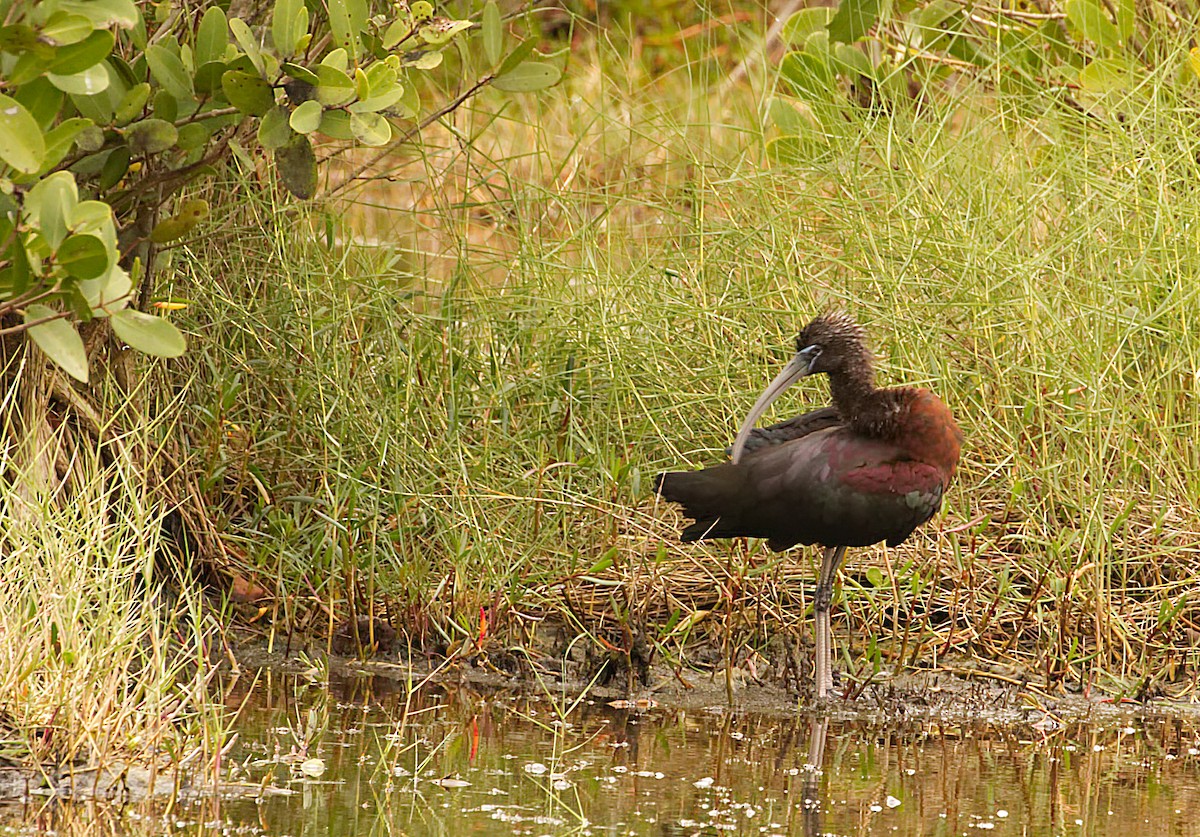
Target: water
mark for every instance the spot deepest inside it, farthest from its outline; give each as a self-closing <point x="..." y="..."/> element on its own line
<point x="361" y="759"/>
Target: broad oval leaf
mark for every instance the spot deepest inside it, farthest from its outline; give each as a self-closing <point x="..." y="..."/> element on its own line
<point x="1092" y="23"/>
<point x="248" y="92"/>
<point x="273" y="129"/>
<point x="83" y="256"/>
<point x="527" y="77"/>
<point x="89" y="82"/>
<point x="297" y="166"/>
<point x="804" y="22"/>
<point x="66" y="28"/>
<point x="335" y="123"/>
<point x="105" y="13"/>
<point x="289" y="21"/>
<point x="59" y="340"/>
<point x="148" y="333"/>
<point x="249" y="44"/>
<point x="306" y="118"/>
<point x="853" y="20"/>
<point x="334" y="87"/>
<point x="193" y="135"/>
<point x="370" y="128"/>
<point x="22" y="145"/>
<point x="212" y="37"/>
<point x="168" y="71"/>
<point x="190" y="213"/>
<point x="208" y="77"/>
<point x="87" y="53"/>
<point x="151" y="136"/>
<point x="346" y="19"/>
<point x="300" y="73"/>
<point x="1103" y="75"/>
<point x="60" y="139"/>
<point x="51" y="204"/>
<point x="133" y="103"/>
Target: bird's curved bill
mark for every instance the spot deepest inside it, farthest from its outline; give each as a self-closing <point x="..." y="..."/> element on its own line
<point x="796" y="369"/>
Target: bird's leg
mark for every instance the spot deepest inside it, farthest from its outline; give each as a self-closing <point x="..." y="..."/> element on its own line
<point x="830" y="559"/>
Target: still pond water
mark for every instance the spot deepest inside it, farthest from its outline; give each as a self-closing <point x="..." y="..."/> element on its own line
<point x="361" y="759"/>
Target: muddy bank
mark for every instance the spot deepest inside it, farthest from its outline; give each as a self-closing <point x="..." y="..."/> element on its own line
<point x="774" y="682"/>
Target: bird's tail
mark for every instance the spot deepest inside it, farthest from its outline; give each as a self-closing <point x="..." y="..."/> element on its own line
<point x="711" y="496"/>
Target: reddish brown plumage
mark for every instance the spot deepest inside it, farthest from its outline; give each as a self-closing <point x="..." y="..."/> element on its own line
<point x="872" y="468"/>
<point x="873" y="471"/>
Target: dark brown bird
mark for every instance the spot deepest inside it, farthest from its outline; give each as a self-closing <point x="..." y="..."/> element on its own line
<point x="872" y="467"/>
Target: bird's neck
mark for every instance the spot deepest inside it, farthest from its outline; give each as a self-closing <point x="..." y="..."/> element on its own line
<point x="868" y="409"/>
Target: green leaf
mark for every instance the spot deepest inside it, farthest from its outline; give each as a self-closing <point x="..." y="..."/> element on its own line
<point x="1092" y="23"/>
<point x="875" y="576"/>
<point x="289" y="23"/>
<point x="17" y="38"/>
<point x="346" y="19"/>
<point x="300" y="73"/>
<point x="804" y="22"/>
<point x="50" y="202"/>
<point x="115" y="166"/>
<point x="399" y="30"/>
<point x="247" y="92"/>
<point x="212" y="37"/>
<point x="59" y="340"/>
<point x="1103" y="75"/>
<point x="168" y="71"/>
<point x="306" y="118"/>
<point x="440" y="30"/>
<point x="247" y="41"/>
<point x="850" y="60"/>
<point x="187" y="217"/>
<point x="362" y="85"/>
<point x="22" y="145"/>
<point x="335" y="88"/>
<point x="493" y="32"/>
<point x="423" y="59"/>
<point x="66" y="28"/>
<point x="297" y="166"/>
<point x="43" y="100"/>
<point x="853" y="20"/>
<point x="151" y="136"/>
<point x="193" y="135"/>
<point x="522" y="51"/>
<point x="208" y="77"/>
<point x="148" y="333"/>
<point x="274" y="130"/>
<point x="83" y="256"/>
<point x="60" y="139"/>
<point x="89" y="82"/>
<point x="336" y="124"/>
<point x="370" y="128"/>
<point x="133" y="103"/>
<point x="87" y="53"/>
<point x="383" y="101"/>
<point x="531" y="75"/>
<point x="807" y="73"/>
<point x="104" y="13"/>
<point x="1126" y="19"/>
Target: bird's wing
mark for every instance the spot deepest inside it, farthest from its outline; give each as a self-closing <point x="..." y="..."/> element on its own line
<point x="793" y="428"/>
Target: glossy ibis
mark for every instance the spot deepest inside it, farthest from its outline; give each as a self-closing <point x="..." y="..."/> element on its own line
<point x="872" y="467"/>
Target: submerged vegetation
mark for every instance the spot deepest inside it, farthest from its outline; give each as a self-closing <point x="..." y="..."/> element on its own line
<point x="439" y="399"/>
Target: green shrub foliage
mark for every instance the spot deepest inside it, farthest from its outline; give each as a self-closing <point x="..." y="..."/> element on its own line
<point x="111" y="107"/>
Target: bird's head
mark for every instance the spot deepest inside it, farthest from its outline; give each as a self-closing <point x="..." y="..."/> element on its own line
<point x="833" y="344"/>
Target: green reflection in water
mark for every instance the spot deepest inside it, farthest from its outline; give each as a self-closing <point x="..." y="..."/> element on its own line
<point x="365" y="759"/>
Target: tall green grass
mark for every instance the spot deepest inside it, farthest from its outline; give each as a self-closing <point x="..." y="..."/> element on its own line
<point x="465" y="411"/>
<point x="103" y="659"/>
